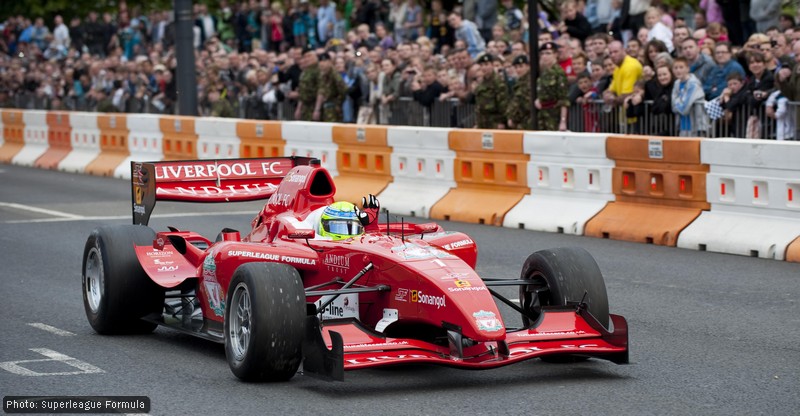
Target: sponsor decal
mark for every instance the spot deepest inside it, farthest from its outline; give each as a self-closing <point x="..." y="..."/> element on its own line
<point x="462" y="283"/>
<point x="337" y="262"/>
<point x="402" y="295"/>
<point x="138" y="209"/>
<point x="411" y="251"/>
<point x="243" y="189"/>
<point x="528" y="350"/>
<point x="418" y="297"/>
<point x="280" y="199"/>
<point x="542" y="334"/>
<point x="457" y="276"/>
<point x="272" y="257"/>
<point x="458" y="244"/>
<point x="221" y="170"/>
<point x="383" y="358"/>
<point x="344" y="306"/>
<point x="487" y="321"/>
<point x="160" y="253"/>
<point x="295" y="178"/>
<point x="162" y="262"/>
<point x="377" y="344"/>
<point x="466" y="289"/>
<point x="212" y="286"/>
<point x="167" y="268"/>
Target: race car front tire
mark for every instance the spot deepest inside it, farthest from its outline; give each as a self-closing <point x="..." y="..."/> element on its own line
<point x="264" y="322"/>
<point x="563" y="276"/>
<point x="116" y="290"/>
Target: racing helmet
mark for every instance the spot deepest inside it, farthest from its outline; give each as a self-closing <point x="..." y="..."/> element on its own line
<point x="339" y="221"/>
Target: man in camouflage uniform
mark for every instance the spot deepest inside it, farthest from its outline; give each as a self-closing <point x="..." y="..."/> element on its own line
<point x="518" y="111"/>
<point x="491" y="96"/>
<point x="308" y="88"/>
<point x="551" y="90"/>
<point x="332" y="90"/>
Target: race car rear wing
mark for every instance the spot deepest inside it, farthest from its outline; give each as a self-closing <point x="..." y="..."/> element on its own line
<point x="226" y="180"/>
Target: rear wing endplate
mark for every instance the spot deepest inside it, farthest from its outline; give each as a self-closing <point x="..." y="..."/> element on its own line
<point x="226" y="180"/>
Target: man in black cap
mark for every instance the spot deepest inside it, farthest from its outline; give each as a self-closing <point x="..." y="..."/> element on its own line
<point x="518" y="111"/>
<point x="308" y="88"/>
<point x="331" y="93"/>
<point x="551" y="90"/>
<point x="491" y="96"/>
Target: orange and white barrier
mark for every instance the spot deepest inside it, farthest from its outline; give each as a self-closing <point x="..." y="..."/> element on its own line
<point x="59" y="144"/>
<point x="570" y="180"/>
<point x="145" y="142"/>
<point x="643" y="189"/>
<point x="35" y="138"/>
<point x="113" y="144"/>
<point x="307" y="139"/>
<point x="260" y="138"/>
<point x="84" y="141"/>
<point x="422" y="167"/>
<point x="363" y="160"/>
<point x="216" y="138"/>
<point x="754" y="190"/>
<point x="490" y="171"/>
<point x="13" y="134"/>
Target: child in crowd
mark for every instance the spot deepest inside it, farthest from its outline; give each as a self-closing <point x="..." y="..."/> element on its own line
<point x="686" y="92"/>
<point x="733" y="100"/>
<point x="585" y="100"/>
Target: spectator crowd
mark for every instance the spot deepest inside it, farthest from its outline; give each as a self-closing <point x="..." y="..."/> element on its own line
<point x="726" y="68"/>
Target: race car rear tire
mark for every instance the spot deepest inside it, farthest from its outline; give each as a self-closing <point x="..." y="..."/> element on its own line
<point x="568" y="274"/>
<point x="116" y="290"/>
<point x="265" y="312"/>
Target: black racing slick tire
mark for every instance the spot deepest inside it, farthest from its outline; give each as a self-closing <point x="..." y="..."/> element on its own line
<point x="560" y="276"/>
<point x="116" y="290"/>
<point x="265" y="312"/>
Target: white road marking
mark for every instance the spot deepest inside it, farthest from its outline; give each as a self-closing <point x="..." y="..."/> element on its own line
<point x="83" y="367"/>
<point x="127" y="217"/>
<point x="40" y="210"/>
<point x="52" y="329"/>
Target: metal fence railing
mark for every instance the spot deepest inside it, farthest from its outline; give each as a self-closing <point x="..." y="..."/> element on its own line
<point x="746" y="121"/>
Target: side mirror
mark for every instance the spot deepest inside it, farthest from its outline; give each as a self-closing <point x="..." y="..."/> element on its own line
<point x="428" y="227"/>
<point x="302" y="234"/>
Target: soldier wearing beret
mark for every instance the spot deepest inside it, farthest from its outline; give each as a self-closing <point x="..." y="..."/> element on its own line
<point x="307" y="88"/>
<point x="518" y="111"/>
<point x="332" y="89"/>
<point x="552" y="91"/>
<point x="491" y="96"/>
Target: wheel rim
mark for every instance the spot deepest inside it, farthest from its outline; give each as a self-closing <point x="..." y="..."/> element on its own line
<point x="93" y="277"/>
<point x="535" y="295"/>
<point x="240" y="321"/>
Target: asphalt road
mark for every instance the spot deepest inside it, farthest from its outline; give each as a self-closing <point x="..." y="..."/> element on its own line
<point x="710" y="333"/>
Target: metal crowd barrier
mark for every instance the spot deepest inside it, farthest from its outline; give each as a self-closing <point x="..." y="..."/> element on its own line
<point x="595" y="116"/>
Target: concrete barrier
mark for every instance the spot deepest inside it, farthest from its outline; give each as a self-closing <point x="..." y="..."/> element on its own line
<point x="145" y="142"/>
<point x="490" y="174"/>
<point x="754" y="190"/>
<point x="35" y="138"/>
<point x="216" y="138"/>
<point x="59" y="145"/>
<point x="309" y="139"/>
<point x="660" y="188"/>
<point x="13" y="134"/>
<point x="570" y="180"/>
<point x="113" y="144"/>
<point x="422" y="167"/>
<point x="84" y="141"/>
<point x="260" y="138"/>
<point x="363" y="159"/>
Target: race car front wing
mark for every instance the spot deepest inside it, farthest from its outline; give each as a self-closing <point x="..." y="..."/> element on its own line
<point x="561" y="331"/>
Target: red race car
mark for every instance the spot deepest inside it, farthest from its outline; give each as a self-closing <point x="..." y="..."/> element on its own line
<point x="331" y="285"/>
